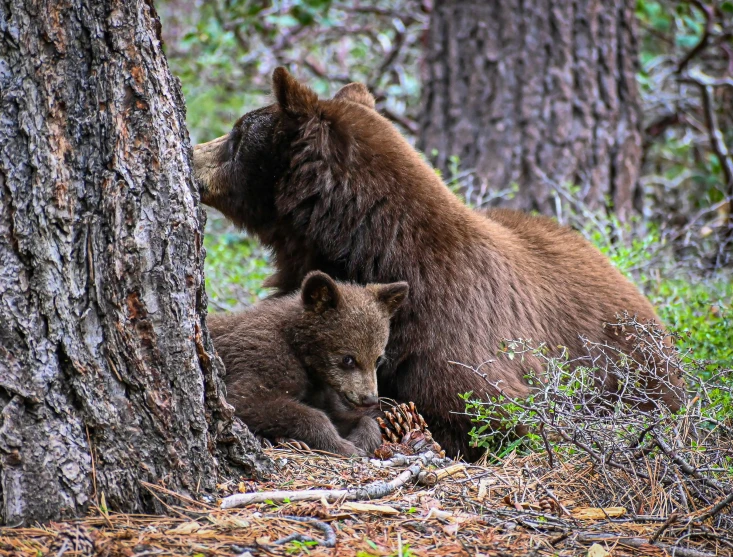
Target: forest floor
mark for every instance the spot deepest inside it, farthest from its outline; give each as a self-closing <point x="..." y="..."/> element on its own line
<point x="521" y="506"/>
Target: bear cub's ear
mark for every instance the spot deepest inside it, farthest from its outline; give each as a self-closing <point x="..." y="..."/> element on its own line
<point x="319" y="292"/>
<point x="356" y="92"/>
<point x="293" y="97"/>
<point x="392" y="295"/>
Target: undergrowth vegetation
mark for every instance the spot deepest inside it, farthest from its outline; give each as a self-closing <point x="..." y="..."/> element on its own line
<point x="652" y="462"/>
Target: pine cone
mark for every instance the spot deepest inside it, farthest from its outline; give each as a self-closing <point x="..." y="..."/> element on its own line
<point x="315" y="509"/>
<point x="72" y="539"/>
<point x="384" y="452"/>
<point x="388" y="434"/>
<point x="547" y="505"/>
<point x="404" y="425"/>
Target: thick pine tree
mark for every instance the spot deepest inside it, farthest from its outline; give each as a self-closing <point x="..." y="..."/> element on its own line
<point x="539" y="93"/>
<point x="107" y="373"/>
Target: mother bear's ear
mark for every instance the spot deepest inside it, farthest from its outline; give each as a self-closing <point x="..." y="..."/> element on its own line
<point x="356" y="92"/>
<point x="294" y="98"/>
<point x="391" y="296"/>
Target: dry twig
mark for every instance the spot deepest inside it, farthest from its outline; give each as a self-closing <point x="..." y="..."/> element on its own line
<point x="375" y="490"/>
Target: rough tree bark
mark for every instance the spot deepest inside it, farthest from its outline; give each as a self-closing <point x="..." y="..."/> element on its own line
<point x="107" y="373"/>
<point x="536" y="93"/>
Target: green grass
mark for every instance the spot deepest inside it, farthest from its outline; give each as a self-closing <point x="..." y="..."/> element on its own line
<point x="236" y="266"/>
<point x="697" y="307"/>
<point x="700" y="313"/>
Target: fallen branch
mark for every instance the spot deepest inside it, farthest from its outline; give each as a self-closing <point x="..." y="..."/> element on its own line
<point x="328" y="541"/>
<point x="728" y="500"/>
<point x="375" y="490"/>
<point x="432" y="477"/>
<point x="685" y="466"/>
<point x="642" y="542"/>
<point x="403" y="460"/>
<point x="667" y="523"/>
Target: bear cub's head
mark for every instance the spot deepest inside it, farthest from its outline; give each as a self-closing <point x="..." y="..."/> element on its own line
<point x="341" y="335"/>
<point x="247" y="173"/>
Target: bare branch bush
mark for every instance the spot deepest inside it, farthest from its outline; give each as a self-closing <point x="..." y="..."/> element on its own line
<point x="238" y="43"/>
<point x="687" y="90"/>
<point x="646" y="458"/>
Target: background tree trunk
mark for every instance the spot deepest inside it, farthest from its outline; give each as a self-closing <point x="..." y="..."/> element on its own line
<point x="107" y="374"/>
<point x="536" y="93"/>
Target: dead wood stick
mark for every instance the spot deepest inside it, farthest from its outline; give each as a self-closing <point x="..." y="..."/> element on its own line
<point x="329" y="534"/>
<point x="402" y="460"/>
<point x="375" y="490"/>
<point x="432" y="477"/>
<point x="640" y="542"/>
<point x="685" y="466"/>
<point x="667" y="523"/>
<point x="719" y="506"/>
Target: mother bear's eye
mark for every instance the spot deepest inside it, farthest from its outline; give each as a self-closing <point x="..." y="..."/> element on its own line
<point x="348" y="362"/>
<point x="235" y="136"/>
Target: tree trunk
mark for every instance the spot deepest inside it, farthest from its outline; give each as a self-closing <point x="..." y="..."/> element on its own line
<point x="107" y="372"/>
<point x="536" y="93"/>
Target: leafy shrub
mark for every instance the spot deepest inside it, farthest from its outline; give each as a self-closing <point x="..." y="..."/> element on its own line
<point x="680" y="461"/>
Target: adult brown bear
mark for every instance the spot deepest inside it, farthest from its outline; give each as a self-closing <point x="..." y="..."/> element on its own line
<point x="331" y="185"/>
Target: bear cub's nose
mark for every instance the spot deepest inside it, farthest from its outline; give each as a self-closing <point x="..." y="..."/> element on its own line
<point x="369" y="401"/>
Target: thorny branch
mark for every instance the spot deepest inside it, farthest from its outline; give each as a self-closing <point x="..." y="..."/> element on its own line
<point x="634" y="452"/>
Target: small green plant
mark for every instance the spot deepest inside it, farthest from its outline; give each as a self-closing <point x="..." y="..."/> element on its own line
<point x="370" y="543"/>
<point x="300" y="547"/>
<point x="404" y="551"/>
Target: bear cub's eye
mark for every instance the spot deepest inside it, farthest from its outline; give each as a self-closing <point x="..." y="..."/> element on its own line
<point x="379" y="361"/>
<point x="348" y="362"/>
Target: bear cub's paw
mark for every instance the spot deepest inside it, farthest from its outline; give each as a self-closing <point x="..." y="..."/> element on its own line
<point x="366" y="435"/>
<point x="347" y="448"/>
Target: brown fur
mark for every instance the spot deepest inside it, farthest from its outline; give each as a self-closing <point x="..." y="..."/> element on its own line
<point x="284" y="358"/>
<point x="332" y="185"/>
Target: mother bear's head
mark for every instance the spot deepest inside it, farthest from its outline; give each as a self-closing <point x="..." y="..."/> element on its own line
<point x="318" y="145"/>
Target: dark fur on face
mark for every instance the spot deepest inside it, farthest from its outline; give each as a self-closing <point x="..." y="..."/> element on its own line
<point x="332" y="185"/>
<point x="305" y="366"/>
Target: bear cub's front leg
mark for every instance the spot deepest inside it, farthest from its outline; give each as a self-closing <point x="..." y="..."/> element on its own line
<point x="292" y="419"/>
<point x="366" y="435"/>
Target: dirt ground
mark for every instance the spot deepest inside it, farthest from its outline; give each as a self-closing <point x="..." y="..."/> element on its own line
<point x="520" y="507"/>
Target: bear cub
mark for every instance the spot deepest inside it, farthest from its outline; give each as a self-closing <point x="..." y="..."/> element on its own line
<point x="304" y="366"/>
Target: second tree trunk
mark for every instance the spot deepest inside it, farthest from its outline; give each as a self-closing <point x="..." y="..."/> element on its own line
<point x="536" y="94"/>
